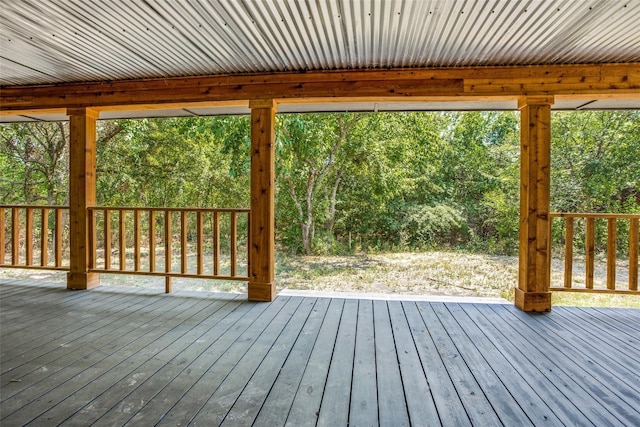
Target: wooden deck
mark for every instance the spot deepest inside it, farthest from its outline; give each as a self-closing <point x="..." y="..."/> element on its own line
<point x="115" y="356"/>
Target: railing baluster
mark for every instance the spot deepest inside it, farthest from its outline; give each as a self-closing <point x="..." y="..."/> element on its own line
<point x="199" y="243"/>
<point x="44" y="237"/>
<point x="183" y="241"/>
<point x="58" y="238"/>
<point x="2" y="236"/>
<point x="168" y="238"/>
<point x="234" y="242"/>
<point x="107" y="239"/>
<point x="216" y="243"/>
<point x="28" y="236"/>
<point x="152" y="241"/>
<point x="590" y="252"/>
<point x="93" y="244"/>
<point x="15" y="236"/>
<point x="136" y="240"/>
<point x="633" y="254"/>
<point x="611" y="253"/>
<point x="568" y="253"/>
<point x="122" y="241"/>
<point x="249" y="242"/>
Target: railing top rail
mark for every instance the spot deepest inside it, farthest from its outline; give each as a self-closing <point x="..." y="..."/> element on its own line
<point x="157" y="209"/>
<point x="33" y="207"/>
<point x="592" y="215"/>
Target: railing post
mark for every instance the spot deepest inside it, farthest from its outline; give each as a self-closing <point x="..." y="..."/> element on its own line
<point x="262" y="286"/>
<point x="82" y="194"/>
<point x="532" y="293"/>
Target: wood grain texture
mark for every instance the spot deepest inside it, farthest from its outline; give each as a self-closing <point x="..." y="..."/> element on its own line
<point x="534" y="268"/>
<point x="262" y="285"/>
<point x="621" y="80"/>
<point x="82" y="194"/>
<point x="145" y="358"/>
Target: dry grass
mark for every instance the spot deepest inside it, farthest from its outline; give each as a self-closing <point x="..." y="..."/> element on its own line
<point x="433" y="273"/>
<point x="427" y="273"/>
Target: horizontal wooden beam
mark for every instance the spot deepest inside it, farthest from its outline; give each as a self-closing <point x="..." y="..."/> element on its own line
<point x="607" y="80"/>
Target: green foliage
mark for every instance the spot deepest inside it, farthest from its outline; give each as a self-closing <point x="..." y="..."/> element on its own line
<point x="349" y="182"/>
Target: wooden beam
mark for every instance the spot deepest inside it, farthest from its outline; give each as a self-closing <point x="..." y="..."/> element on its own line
<point x="262" y="285"/>
<point x="82" y="194"/>
<point x="532" y="293"/>
<point x="619" y="80"/>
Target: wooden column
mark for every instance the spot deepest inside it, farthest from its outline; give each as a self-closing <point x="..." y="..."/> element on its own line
<point x="262" y="286"/>
<point x="82" y="194"/>
<point x="532" y="293"/>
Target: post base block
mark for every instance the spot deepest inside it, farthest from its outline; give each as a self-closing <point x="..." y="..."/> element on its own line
<point x="533" y="301"/>
<point x="262" y="291"/>
<point x="82" y="281"/>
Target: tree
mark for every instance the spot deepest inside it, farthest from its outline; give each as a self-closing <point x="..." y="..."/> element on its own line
<point x="36" y="162"/>
<point x="312" y="156"/>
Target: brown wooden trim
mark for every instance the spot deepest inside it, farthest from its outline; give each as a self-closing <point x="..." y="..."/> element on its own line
<point x="58" y="239"/>
<point x="15" y="236"/>
<point x="93" y="239"/>
<point x="516" y="81"/>
<point x="593" y="215"/>
<point x="200" y="238"/>
<point x="82" y="194"/>
<point x="2" y="235"/>
<point x="534" y="258"/>
<point x="233" y="245"/>
<point x="28" y="236"/>
<point x="122" y="240"/>
<point x="596" y="291"/>
<point x="262" y="225"/>
<point x="183" y="242"/>
<point x="590" y="252"/>
<point x="568" y="253"/>
<point x="168" y="250"/>
<point x="107" y="239"/>
<point x="633" y="254"/>
<point x="147" y="209"/>
<point x="611" y="253"/>
<point x="36" y="267"/>
<point x="216" y="243"/>
<point x="152" y="241"/>
<point x="169" y="275"/>
<point x="44" y="237"/>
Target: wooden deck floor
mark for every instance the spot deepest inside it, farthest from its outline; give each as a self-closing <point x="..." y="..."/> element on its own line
<point x="115" y="356"/>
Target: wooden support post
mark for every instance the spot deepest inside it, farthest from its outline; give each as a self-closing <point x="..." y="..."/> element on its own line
<point x="262" y="286"/>
<point x="82" y="194"/>
<point x="532" y="293"/>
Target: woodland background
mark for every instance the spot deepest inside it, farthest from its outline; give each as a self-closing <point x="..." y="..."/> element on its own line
<point x="348" y="182"/>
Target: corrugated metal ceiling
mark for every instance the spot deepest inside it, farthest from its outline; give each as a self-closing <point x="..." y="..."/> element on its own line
<point x="49" y="41"/>
<point x="54" y="41"/>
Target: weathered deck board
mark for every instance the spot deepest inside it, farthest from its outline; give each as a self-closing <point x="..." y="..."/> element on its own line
<point x="120" y="357"/>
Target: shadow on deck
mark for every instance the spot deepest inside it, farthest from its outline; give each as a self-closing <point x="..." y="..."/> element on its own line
<point x="115" y="356"/>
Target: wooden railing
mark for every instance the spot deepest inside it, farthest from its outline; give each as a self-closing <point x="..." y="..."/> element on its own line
<point x="129" y="241"/>
<point x="33" y="237"/>
<point x="589" y="222"/>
